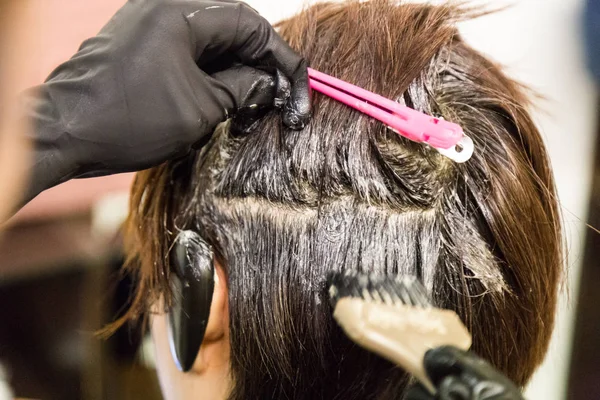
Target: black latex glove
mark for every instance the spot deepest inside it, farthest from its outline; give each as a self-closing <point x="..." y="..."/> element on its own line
<point x="460" y="375"/>
<point x="154" y="83"/>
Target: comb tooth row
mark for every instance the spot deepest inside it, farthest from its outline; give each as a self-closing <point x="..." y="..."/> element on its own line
<point x="377" y="288"/>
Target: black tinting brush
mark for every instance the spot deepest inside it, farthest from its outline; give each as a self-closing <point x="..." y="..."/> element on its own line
<point x="394" y="318"/>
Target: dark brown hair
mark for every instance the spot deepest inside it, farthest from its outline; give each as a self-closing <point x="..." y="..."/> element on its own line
<point x="283" y="208"/>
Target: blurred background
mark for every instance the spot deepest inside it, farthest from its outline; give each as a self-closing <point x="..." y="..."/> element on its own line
<point x="60" y="256"/>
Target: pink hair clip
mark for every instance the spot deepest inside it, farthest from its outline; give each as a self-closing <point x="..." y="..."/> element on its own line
<point x="446" y="137"/>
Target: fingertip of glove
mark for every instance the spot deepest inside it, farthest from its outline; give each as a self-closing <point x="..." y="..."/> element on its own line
<point x="443" y="353"/>
<point x="440" y="361"/>
<point x="297" y="112"/>
<point x="295" y="120"/>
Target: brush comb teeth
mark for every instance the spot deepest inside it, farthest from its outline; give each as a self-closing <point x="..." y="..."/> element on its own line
<point x="402" y="290"/>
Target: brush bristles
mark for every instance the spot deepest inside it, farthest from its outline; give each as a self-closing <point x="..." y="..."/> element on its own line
<point x="406" y="290"/>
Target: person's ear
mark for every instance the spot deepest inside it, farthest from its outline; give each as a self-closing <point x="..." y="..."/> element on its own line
<point x="215" y="347"/>
<point x="193" y="283"/>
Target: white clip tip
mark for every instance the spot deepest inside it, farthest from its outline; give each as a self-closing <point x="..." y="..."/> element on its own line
<point x="461" y="152"/>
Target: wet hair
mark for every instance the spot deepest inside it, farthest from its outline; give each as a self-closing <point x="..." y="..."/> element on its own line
<point x="283" y="208"/>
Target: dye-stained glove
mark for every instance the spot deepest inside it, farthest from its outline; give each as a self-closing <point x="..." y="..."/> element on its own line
<point x="460" y="375"/>
<point x="154" y="83"/>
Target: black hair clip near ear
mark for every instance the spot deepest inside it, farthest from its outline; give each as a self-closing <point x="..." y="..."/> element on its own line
<point x="193" y="285"/>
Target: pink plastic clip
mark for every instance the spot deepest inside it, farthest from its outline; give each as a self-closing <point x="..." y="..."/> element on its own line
<point x="446" y="137"/>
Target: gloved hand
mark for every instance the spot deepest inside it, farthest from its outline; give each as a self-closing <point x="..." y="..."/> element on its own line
<point x="460" y="375"/>
<point x="154" y="83"/>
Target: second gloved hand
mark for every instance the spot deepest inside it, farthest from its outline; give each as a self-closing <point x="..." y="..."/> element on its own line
<point x="154" y="83"/>
<point x="461" y="375"/>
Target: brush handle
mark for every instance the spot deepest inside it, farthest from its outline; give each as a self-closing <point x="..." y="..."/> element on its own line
<point x="401" y="333"/>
